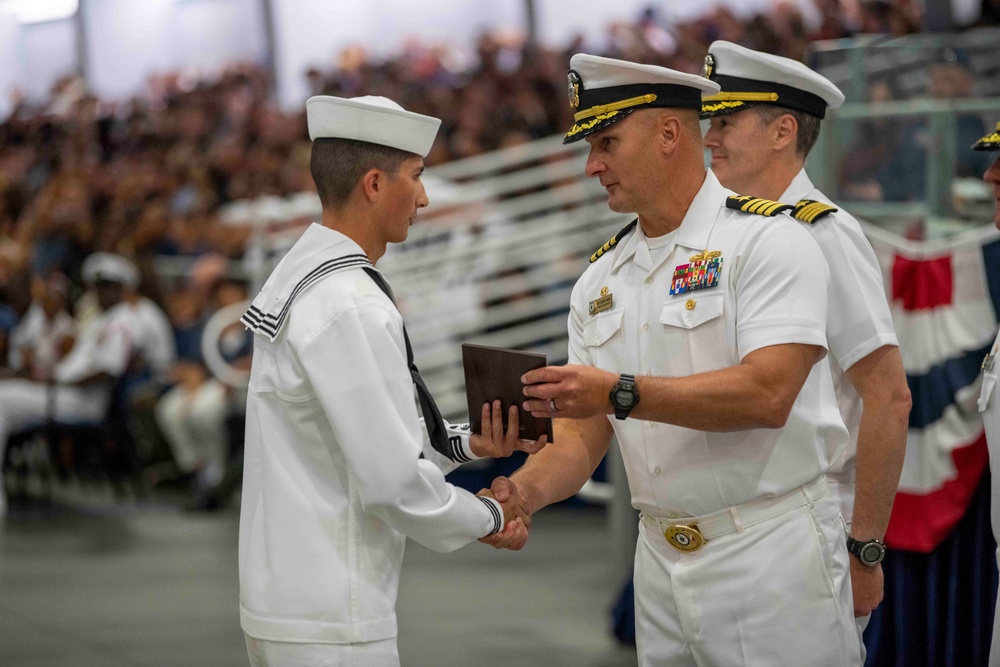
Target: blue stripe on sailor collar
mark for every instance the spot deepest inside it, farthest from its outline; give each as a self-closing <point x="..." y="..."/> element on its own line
<point x="319" y="252"/>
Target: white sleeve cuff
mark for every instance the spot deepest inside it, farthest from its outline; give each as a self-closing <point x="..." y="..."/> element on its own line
<point x="459" y="441"/>
<point x="496" y="511"/>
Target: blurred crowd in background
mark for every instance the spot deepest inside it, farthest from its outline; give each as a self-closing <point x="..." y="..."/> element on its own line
<point x="145" y="178"/>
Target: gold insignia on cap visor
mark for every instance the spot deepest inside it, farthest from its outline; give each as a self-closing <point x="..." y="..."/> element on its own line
<point x="573" y="89"/>
<point x="708" y="67"/>
<point x="991" y="142"/>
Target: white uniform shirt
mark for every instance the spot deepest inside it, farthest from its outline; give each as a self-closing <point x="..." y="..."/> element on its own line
<point x="41" y="335"/>
<point x="155" y="339"/>
<point x="858" y="323"/>
<point x="772" y="290"/>
<point x="105" y="344"/>
<point x="333" y="480"/>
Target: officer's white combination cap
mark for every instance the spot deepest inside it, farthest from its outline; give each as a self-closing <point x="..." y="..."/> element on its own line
<point x="602" y="91"/>
<point x="111" y="268"/>
<point x="749" y="77"/>
<point x="376" y="120"/>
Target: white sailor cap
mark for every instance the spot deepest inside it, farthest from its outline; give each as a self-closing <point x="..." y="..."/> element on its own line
<point x="602" y="91"/>
<point x="110" y="268"/>
<point x="377" y="120"/>
<point x="750" y="77"/>
<point x="991" y="142"/>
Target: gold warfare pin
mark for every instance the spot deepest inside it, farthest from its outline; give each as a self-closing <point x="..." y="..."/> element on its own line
<point x="573" y="88"/>
<point x="709" y="67"/>
<point x="603" y="303"/>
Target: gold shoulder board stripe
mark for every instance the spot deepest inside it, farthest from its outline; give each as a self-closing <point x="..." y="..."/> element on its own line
<point x="756" y="205"/>
<point x="614" y="241"/>
<point x="810" y="211"/>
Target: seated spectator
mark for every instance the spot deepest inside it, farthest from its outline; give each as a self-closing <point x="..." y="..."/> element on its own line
<point x="876" y="141"/>
<point x="81" y="384"/>
<point x="193" y="414"/>
<point x="45" y="333"/>
<point x="904" y="177"/>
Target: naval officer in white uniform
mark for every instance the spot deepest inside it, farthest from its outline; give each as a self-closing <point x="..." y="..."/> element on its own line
<point x="763" y="124"/>
<point x="988" y="403"/>
<point x="694" y="337"/>
<point x="339" y="470"/>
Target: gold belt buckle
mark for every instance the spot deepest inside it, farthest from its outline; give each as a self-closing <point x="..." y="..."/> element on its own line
<point x="685" y="538"/>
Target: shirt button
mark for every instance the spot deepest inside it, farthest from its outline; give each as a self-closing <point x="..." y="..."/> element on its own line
<point x="649" y="280"/>
<point x="651" y="424"/>
<point x="673" y="515"/>
<point x="656" y="470"/>
<point x="645" y="327"/>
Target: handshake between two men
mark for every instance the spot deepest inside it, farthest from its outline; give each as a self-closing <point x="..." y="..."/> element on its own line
<point x="579" y="395"/>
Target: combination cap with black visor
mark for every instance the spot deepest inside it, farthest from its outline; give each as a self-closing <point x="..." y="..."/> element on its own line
<point x="602" y="91"/>
<point x="991" y="142"/>
<point x="748" y="78"/>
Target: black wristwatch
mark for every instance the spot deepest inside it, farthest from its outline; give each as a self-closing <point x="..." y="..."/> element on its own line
<point x="624" y="396"/>
<point x="870" y="553"/>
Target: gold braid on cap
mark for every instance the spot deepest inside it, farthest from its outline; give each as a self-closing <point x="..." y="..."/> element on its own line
<point x="741" y="97"/>
<point x="580" y="127"/>
<point x="601" y="109"/>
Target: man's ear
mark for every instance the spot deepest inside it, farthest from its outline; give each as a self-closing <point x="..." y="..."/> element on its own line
<point x="372" y="184"/>
<point x="785" y="130"/>
<point x="669" y="132"/>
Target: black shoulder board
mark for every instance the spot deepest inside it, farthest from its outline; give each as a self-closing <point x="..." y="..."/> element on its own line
<point x="810" y="211"/>
<point x="614" y="241"/>
<point x="756" y="205"/>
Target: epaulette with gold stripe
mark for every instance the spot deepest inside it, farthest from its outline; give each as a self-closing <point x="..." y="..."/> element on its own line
<point x="614" y="241"/>
<point x="756" y="205"/>
<point x="810" y="211"/>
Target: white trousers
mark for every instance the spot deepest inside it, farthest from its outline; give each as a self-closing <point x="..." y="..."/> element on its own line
<point x="264" y="653"/>
<point x="24" y="403"/>
<point x="776" y="594"/>
<point x="194" y="425"/>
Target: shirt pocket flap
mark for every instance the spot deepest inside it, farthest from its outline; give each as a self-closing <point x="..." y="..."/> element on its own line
<point x="597" y="330"/>
<point x="693" y="311"/>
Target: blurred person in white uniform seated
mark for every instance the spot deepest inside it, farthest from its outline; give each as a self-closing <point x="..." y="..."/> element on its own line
<point x="81" y="383"/>
<point x="988" y="403"/>
<point x="45" y="333"/>
<point x="339" y="470"/>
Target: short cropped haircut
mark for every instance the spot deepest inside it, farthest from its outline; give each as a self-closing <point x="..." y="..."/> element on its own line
<point x="337" y="165"/>
<point x="808" y="125"/>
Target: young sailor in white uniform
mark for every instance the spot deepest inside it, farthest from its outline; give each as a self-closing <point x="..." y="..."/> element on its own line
<point x="339" y="471"/>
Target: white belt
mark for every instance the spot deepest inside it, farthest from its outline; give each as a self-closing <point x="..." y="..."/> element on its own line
<point x="691" y="533"/>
